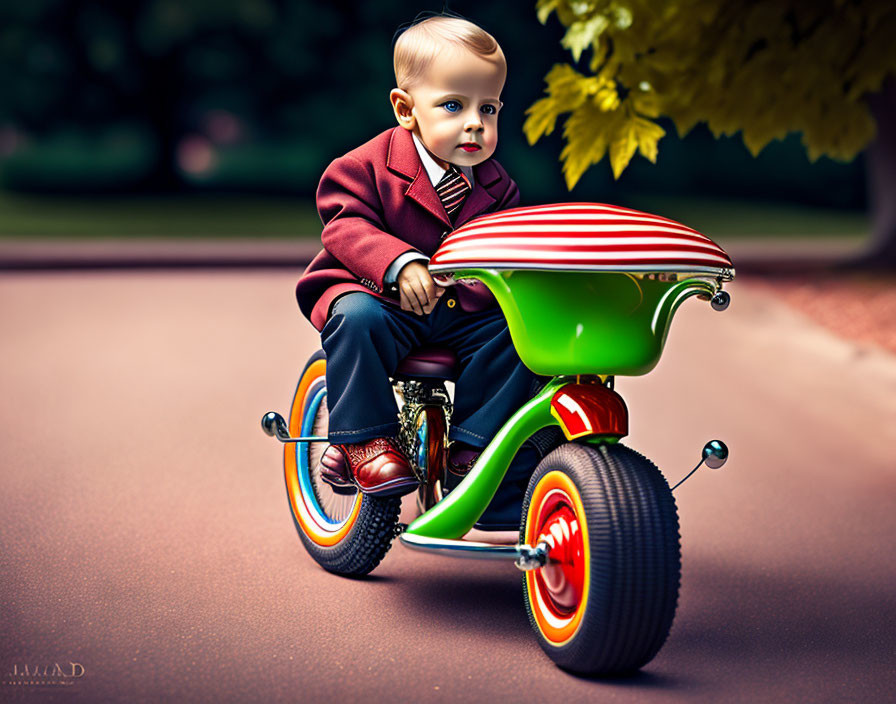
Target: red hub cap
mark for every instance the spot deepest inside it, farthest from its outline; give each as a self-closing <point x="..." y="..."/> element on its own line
<point x="562" y="579"/>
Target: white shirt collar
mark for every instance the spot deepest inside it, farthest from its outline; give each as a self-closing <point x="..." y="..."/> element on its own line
<point x="433" y="170"/>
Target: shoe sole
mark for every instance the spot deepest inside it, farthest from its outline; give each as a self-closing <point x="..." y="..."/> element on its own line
<point x="397" y="487"/>
<point x="338" y="486"/>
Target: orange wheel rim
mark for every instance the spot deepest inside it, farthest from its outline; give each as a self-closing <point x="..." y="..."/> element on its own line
<point x="304" y="511"/>
<point x="558" y="592"/>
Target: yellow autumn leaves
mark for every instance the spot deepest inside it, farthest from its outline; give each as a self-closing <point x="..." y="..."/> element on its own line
<point x="764" y="68"/>
<point x="599" y="122"/>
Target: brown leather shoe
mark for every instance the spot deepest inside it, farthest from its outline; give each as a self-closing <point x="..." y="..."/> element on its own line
<point x="334" y="471"/>
<point x="376" y="467"/>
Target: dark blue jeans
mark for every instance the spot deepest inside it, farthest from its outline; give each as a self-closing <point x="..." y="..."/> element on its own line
<point x="365" y="338"/>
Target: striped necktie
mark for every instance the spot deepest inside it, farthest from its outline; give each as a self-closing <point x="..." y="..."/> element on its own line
<point x="452" y="190"/>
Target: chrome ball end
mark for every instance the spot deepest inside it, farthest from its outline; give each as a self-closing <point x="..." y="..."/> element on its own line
<point x="274" y="425"/>
<point x="715" y="454"/>
<point x="720" y="301"/>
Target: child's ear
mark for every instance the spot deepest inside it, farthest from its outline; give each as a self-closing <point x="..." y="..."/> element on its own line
<point x="402" y="106"/>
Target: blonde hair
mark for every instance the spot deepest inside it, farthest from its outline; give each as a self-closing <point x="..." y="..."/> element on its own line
<point x="417" y="46"/>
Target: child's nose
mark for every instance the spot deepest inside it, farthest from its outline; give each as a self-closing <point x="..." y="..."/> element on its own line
<point x="473" y="123"/>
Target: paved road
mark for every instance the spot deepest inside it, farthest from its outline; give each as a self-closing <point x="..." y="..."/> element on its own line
<point x="145" y="533"/>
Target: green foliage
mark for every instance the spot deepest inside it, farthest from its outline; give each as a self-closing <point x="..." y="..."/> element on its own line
<point x="764" y="68"/>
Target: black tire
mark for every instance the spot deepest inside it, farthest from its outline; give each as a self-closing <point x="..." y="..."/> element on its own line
<point x="622" y="614"/>
<point x="341" y="536"/>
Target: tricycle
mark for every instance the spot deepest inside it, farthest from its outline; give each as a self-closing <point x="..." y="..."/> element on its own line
<point x="589" y="291"/>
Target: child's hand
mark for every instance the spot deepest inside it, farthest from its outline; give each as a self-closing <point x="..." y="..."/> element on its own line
<point x="418" y="291"/>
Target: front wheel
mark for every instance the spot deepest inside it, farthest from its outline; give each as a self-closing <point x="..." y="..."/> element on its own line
<point x="604" y="602"/>
<point x="345" y="531"/>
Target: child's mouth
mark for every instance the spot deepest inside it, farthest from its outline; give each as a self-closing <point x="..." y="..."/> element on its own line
<point x="470" y="147"/>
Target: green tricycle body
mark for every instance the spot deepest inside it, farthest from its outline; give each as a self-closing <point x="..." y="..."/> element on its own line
<point x="565" y="325"/>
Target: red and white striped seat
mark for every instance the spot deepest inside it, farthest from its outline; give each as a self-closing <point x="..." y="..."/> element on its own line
<point x="580" y="237"/>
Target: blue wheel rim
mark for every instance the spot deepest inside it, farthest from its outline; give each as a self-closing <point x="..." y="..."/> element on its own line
<point x="317" y="394"/>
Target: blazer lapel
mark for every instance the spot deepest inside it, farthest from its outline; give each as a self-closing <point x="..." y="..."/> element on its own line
<point x="404" y="160"/>
<point x="480" y="199"/>
<point x="422" y="191"/>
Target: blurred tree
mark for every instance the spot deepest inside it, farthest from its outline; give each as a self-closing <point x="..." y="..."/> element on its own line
<point x="764" y="68"/>
<point x="882" y="180"/>
<point x="259" y="95"/>
<point x="183" y="73"/>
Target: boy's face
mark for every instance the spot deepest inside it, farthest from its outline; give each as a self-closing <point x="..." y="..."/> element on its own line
<point x="454" y="106"/>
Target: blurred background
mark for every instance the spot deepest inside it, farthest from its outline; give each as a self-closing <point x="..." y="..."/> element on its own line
<point x="215" y="119"/>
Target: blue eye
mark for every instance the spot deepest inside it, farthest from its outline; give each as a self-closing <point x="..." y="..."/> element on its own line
<point x="452" y="106"/>
<point x="489" y="109"/>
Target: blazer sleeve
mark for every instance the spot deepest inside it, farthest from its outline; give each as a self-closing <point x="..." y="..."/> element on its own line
<point x="351" y="210"/>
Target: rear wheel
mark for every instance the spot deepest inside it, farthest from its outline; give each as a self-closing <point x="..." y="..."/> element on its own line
<point x="431" y="455"/>
<point x="345" y="531"/>
<point x="605" y="601"/>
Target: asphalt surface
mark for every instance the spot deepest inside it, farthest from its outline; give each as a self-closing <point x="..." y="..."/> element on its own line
<point x="145" y="532"/>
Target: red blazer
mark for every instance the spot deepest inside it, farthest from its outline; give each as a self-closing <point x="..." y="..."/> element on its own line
<point x="376" y="203"/>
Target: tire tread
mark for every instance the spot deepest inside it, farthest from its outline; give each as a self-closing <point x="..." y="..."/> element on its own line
<point x="635" y="558"/>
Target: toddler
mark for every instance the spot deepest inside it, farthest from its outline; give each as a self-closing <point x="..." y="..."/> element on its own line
<point x="385" y="207"/>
